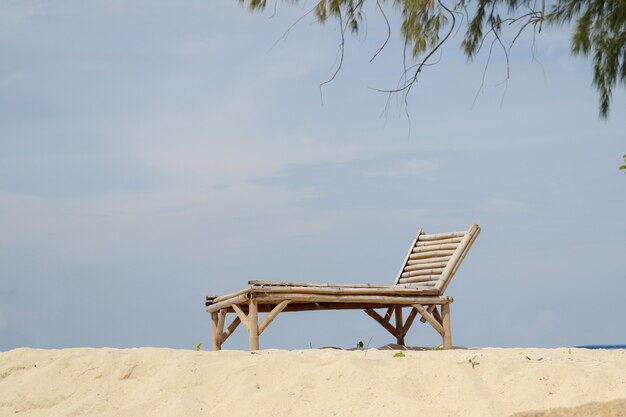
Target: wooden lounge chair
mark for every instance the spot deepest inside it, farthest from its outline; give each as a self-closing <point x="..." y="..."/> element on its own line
<point x="432" y="261"/>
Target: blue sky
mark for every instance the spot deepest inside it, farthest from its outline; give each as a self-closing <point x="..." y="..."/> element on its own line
<point x="152" y="153"/>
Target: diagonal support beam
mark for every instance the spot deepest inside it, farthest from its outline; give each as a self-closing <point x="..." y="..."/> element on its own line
<point x="429" y="318"/>
<point x="431" y="309"/>
<point x="272" y="315"/>
<point x="437" y="316"/>
<point x="409" y="322"/>
<point x="388" y="314"/>
<point x="230" y="329"/>
<point x="242" y="316"/>
<point x="373" y="314"/>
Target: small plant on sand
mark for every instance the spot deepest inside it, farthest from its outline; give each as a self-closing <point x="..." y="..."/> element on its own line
<point x="399" y="355"/>
<point x="438" y="347"/>
<point x="198" y="346"/>
<point x="360" y="344"/>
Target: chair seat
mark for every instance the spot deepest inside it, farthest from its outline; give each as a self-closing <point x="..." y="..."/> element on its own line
<point x="277" y="287"/>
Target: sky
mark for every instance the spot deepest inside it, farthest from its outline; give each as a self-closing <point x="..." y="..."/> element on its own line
<point x="153" y="152"/>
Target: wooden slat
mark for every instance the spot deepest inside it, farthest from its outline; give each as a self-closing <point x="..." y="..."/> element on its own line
<point x="439" y="242"/>
<point x="418" y="286"/>
<point x="312" y="298"/>
<point x="422" y="272"/>
<point x="425" y="285"/>
<point x="430" y="265"/>
<point x="434" y="260"/>
<point x="430" y="248"/>
<point x="416" y="274"/>
<point x="426" y="281"/>
<point x="272" y="315"/>
<point x="419" y="232"/>
<point x="388" y="290"/>
<point x="431" y="254"/>
<point x="442" y="236"/>
<point x="255" y="283"/>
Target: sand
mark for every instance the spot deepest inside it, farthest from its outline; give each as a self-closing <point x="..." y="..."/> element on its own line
<point x="615" y="408"/>
<point x="326" y="382"/>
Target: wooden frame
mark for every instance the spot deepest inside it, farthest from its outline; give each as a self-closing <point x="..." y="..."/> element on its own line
<point x="419" y="287"/>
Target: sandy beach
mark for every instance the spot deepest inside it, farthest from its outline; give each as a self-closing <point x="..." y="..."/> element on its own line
<point x="316" y="382"/>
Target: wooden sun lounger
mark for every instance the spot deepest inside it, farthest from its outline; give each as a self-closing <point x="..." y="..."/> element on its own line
<point x="432" y="261"/>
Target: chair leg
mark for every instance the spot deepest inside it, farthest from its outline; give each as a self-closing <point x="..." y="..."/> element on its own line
<point x="447" y="332"/>
<point x="221" y="318"/>
<point x="399" y="325"/>
<point x="216" y="337"/>
<point x="253" y="324"/>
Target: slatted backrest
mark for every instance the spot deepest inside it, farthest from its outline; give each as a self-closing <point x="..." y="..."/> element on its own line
<point x="433" y="259"/>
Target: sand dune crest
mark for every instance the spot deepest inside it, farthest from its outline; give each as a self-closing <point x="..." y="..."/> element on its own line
<point x="166" y="382"/>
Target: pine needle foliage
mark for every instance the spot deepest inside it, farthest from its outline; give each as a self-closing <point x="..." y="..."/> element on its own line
<point x="599" y="29"/>
<point x="600" y="32"/>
